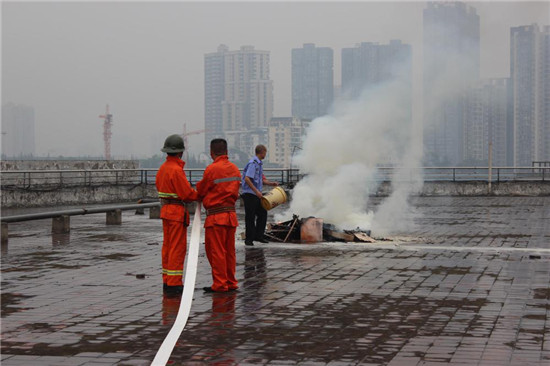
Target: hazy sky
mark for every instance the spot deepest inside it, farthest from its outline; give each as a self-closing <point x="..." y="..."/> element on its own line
<point x="145" y="59"/>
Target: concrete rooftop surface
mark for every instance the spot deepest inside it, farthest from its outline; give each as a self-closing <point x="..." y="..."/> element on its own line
<point x="469" y="284"/>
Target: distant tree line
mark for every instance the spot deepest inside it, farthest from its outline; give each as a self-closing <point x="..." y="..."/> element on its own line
<point x="155" y="161"/>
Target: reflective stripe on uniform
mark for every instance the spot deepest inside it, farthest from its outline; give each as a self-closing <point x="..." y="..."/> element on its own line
<point x="228" y="179"/>
<point x="166" y="195"/>
<point x="170" y="272"/>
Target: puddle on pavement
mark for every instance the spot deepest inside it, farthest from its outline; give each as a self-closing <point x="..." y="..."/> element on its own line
<point x="30" y="262"/>
<point x="118" y="256"/>
<point x="111" y="339"/>
<point x="59" y="240"/>
<point x="9" y="302"/>
<point x="541" y="293"/>
<point x="447" y="270"/>
<point x="107" y="237"/>
<point x="316" y="327"/>
<point x="43" y="256"/>
<point x="66" y="266"/>
<point x="26" y="235"/>
<point x="46" y="327"/>
<point x="354" y="327"/>
<point x="19" y="269"/>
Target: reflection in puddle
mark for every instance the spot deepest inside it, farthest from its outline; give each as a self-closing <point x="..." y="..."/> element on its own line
<point x="222" y="321"/>
<point x="255" y="278"/>
<point x="61" y="239"/>
<point x="10" y="303"/>
<point x="254" y="268"/>
<point x="107" y="237"/>
<point x="170" y="307"/>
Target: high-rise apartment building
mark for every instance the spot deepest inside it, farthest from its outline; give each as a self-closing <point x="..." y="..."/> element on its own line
<point x="238" y="95"/>
<point x="312" y="81"/>
<point x="485" y="123"/>
<point x="214" y="81"/>
<point x="17" y="131"/>
<point x="285" y="136"/>
<point x="369" y="64"/>
<point x="451" y="66"/>
<point x="530" y="94"/>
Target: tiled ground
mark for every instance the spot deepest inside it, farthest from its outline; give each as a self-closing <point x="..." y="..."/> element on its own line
<point x="468" y="285"/>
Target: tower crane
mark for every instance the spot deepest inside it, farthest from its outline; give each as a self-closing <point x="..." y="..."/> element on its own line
<point x="185" y="134"/>
<point x="108" y="122"/>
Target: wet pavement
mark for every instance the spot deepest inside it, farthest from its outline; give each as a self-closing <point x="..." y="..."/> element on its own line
<point x="469" y="284"/>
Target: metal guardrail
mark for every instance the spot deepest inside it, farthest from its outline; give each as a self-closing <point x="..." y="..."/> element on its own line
<point x="77" y="211"/>
<point x="61" y="218"/>
<point x="464" y="174"/>
<point x="53" y="179"/>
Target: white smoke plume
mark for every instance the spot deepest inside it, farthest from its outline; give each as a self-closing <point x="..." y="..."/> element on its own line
<point x="342" y="157"/>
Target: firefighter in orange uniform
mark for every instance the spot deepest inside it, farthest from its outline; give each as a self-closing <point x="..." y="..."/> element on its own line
<point x="173" y="190"/>
<point x="219" y="190"/>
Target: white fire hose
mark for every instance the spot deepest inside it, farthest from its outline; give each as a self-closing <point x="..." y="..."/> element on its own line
<point x="165" y="350"/>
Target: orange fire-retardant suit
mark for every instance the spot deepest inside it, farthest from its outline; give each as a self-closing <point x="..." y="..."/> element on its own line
<point x="173" y="189"/>
<point x="219" y="190"/>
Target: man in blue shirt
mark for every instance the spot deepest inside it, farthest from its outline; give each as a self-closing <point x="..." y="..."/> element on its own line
<point x="255" y="216"/>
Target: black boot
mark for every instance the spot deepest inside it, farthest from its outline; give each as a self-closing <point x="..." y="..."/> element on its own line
<point x="172" y="290"/>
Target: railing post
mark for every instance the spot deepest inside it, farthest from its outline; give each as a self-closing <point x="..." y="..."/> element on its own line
<point x="288" y="173"/>
<point x="288" y="176"/>
<point x="154" y="212"/>
<point x="454" y="174"/>
<point x="114" y="217"/>
<point x="61" y="224"/>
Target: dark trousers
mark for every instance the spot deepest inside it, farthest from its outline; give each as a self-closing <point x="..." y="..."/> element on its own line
<point x="255" y="217"/>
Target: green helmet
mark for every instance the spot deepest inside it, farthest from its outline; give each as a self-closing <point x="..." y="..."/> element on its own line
<point x="173" y="144"/>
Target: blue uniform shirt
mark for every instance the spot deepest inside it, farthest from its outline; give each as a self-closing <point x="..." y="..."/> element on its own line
<point x="255" y="171"/>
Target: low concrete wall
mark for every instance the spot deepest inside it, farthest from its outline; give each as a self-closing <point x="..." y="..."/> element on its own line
<point x="77" y="188"/>
<point x="538" y="188"/>
<point x="121" y="188"/>
<point x="17" y="198"/>
<point x="476" y="188"/>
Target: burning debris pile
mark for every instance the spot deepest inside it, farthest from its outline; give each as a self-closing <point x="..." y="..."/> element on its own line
<point x="313" y="230"/>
